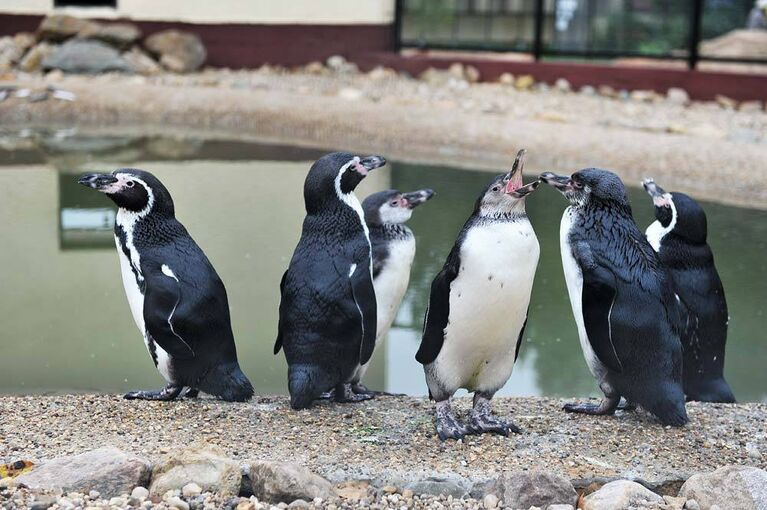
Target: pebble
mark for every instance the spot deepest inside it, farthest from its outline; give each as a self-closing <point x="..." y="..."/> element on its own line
<point x="176" y="502"/>
<point x="490" y="501"/>
<point x="191" y="490"/>
<point x="140" y="493"/>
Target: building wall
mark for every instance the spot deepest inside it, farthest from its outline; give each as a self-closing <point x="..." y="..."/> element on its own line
<point x="301" y="12"/>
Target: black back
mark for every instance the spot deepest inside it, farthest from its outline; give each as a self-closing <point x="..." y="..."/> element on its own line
<point x="690" y="262"/>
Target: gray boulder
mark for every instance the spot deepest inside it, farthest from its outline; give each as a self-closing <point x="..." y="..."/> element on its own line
<point x="180" y="52"/>
<point x="741" y="487"/>
<point x="86" y="56"/>
<point x="206" y="466"/>
<point x="286" y="482"/>
<point x="523" y="489"/>
<point x="119" y="35"/>
<point x="437" y="486"/>
<point x="60" y="27"/>
<point x="109" y="471"/>
<point x="620" y="495"/>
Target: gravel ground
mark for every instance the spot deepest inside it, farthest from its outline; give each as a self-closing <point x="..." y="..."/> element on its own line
<point x="709" y="149"/>
<point x="391" y="440"/>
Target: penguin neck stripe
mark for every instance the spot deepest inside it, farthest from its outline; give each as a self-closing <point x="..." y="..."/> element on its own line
<point x="655" y="235"/>
<point x="352" y="201"/>
<point x="127" y="219"/>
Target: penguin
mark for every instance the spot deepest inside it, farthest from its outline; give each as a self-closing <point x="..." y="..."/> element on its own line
<point x="393" y="248"/>
<point x="629" y="321"/>
<point x="679" y="238"/>
<point x="177" y="299"/>
<point x="327" y="314"/>
<point x="478" y="306"/>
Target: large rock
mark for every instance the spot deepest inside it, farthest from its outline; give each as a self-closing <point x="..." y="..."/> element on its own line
<point x="206" y="466"/>
<point x="286" y="482"/>
<point x="741" y="487"/>
<point x="60" y="27"/>
<point x="436" y="486"/>
<point x="12" y="49"/>
<point x="180" y="52"/>
<point x="33" y="60"/>
<point x="109" y="471"/>
<point x="119" y="35"/>
<point x="621" y="495"/>
<point x="85" y="56"/>
<point x="141" y="62"/>
<point x="523" y="489"/>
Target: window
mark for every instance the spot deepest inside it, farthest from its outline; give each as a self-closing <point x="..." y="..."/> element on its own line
<point x="85" y="3"/>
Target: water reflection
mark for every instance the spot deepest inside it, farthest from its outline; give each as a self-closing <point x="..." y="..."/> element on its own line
<point x="66" y="322"/>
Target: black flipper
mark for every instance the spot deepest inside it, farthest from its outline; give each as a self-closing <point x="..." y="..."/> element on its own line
<point x="365" y="298"/>
<point x="278" y="342"/>
<point x="597" y="299"/>
<point x="162" y="298"/>
<point x="519" y="339"/>
<point x="438" y="310"/>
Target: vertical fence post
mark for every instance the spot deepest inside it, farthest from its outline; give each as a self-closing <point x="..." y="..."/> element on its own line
<point x="538" y="34"/>
<point x="397" y="25"/>
<point x="696" y="20"/>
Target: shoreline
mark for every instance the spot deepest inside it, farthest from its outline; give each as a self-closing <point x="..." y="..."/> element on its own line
<point x="702" y="149"/>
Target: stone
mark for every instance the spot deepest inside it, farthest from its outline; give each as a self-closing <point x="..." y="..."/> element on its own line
<point x="750" y="106"/>
<point x="676" y="95"/>
<point x="178" y="51"/>
<point x="523" y="489"/>
<point x="206" y="466"/>
<point x="379" y="73"/>
<point x="438" y="486"/>
<point x="562" y="85"/>
<point x="59" y="27"/>
<point x="741" y="487"/>
<point x="691" y="505"/>
<point x="506" y="79"/>
<point x="315" y="68"/>
<point x="119" y="35"/>
<point x="471" y="74"/>
<point x="354" y="490"/>
<point x="108" y="472"/>
<point x="141" y="62"/>
<point x="490" y="501"/>
<point x="42" y="502"/>
<point x="299" y="503"/>
<point x="588" y="90"/>
<point x="140" y="493"/>
<point x="674" y="503"/>
<point x="524" y="82"/>
<point x="619" y="495"/>
<point x="645" y="96"/>
<point x="286" y="482"/>
<point x="560" y="507"/>
<point x="33" y="60"/>
<point x="725" y="102"/>
<point x="408" y="494"/>
<point x="84" y="56"/>
<point x="340" y="65"/>
<point x="350" y="94"/>
<point x="176" y="502"/>
<point x="191" y="490"/>
<point x="607" y="91"/>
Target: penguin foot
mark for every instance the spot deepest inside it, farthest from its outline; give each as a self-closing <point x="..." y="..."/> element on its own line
<point x="448" y="426"/>
<point x="361" y="389"/>
<point x="626" y="405"/>
<point x="327" y="395"/>
<point x="606" y="407"/>
<point x="483" y="423"/>
<point x="189" y="392"/>
<point x="344" y="394"/>
<point x="166" y="394"/>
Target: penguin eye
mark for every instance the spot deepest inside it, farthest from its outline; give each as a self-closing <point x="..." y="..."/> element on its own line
<point x="394" y="203"/>
<point x="496" y="188"/>
<point x="130" y="184"/>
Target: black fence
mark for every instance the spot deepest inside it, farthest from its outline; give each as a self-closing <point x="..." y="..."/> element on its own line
<point x="683" y="30"/>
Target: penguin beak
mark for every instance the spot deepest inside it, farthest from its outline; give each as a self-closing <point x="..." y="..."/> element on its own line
<point x="514" y="177"/>
<point x="659" y="197"/>
<point x="366" y="164"/>
<point x="97" y="181"/>
<point x="561" y="182"/>
<point x="416" y="198"/>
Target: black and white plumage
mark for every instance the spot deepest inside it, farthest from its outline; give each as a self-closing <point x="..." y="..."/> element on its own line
<point x="176" y="297"/>
<point x="629" y="321"/>
<point x="393" y="248"/>
<point x="679" y="237"/>
<point x="478" y="306"/>
<point x="327" y="323"/>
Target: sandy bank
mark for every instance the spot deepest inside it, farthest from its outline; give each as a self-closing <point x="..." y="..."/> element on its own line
<point x="704" y="149"/>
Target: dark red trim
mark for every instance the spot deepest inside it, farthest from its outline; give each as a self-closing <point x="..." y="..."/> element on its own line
<point x="702" y="85"/>
<point x="242" y="45"/>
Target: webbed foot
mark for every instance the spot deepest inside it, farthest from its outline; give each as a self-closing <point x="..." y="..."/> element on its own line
<point x="482" y="419"/>
<point x="344" y="394"/>
<point x="448" y="426"/>
<point x="606" y="407"/>
<point x="168" y="393"/>
<point x="189" y="392"/>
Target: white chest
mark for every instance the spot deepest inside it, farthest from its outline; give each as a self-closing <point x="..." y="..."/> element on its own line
<point x="574" y="280"/>
<point x="488" y="303"/>
<point x="655" y="233"/>
<point x="391" y="283"/>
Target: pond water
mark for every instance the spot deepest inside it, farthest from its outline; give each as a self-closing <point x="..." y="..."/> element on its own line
<point x="65" y="321"/>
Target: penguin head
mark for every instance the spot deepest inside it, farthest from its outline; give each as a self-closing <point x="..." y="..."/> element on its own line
<point x="391" y="206"/>
<point x="678" y="211"/>
<point x="335" y="176"/>
<point x="505" y="194"/>
<point x="589" y="186"/>
<point x="131" y="189"/>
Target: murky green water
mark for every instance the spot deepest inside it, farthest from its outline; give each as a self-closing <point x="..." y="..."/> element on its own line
<point x="65" y="323"/>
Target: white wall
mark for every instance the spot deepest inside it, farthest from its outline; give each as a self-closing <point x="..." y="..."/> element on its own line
<point x="314" y="12"/>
